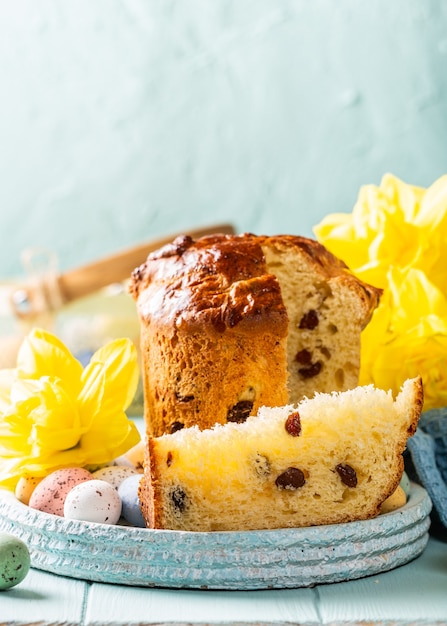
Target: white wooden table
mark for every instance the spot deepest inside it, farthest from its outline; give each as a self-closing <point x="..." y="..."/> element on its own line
<point x="415" y="593"/>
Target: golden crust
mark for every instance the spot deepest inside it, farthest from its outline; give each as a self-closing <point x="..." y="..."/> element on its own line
<point x="418" y="404"/>
<point x="218" y="280"/>
<point x="220" y="326"/>
<point x="205" y="269"/>
<point x="148" y="490"/>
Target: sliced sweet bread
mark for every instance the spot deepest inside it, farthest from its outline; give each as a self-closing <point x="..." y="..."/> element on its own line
<point x="230" y="323"/>
<point x="330" y="459"/>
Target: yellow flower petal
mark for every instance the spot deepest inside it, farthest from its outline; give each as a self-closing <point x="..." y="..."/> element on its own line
<point x="114" y="441"/>
<point x="53" y="414"/>
<point x="407" y="337"/>
<point x="432" y="222"/>
<point x="110" y="382"/>
<point x="413" y="298"/>
<point x="432" y="215"/>
<point x="405" y="198"/>
<point x="43" y="354"/>
<point x="7" y="377"/>
<point x="112" y="374"/>
<point x="378" y="233"/>
<point x="396" y="238"/>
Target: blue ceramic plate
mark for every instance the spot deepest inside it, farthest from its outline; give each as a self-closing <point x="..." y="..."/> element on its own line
<point x="299" y="557"/>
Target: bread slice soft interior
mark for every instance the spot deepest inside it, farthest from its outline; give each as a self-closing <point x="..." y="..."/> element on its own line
<point x="330" y="459"/>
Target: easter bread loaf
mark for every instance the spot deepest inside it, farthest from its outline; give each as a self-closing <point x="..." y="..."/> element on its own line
<point x="330" y="459"/>
<point x="229" y="323"/>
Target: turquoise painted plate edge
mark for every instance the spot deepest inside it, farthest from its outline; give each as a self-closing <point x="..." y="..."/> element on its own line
<point x="267" y="559"/>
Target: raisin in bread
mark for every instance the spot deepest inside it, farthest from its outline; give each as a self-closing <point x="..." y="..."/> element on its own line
<point x="330" y="459"/>
<point x="230" y="323"/>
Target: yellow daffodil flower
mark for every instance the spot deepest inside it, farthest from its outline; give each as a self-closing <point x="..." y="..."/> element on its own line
<point x="405" y="340"/>
<point x="379" y="232"/>
<point x="54" y="413"/>
<point x="395" y="238"/>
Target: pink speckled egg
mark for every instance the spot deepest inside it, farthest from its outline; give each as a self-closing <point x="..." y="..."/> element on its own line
<point x="93" y="501"/>
<point x="49" y="495"/>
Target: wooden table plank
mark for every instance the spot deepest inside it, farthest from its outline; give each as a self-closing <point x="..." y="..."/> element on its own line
<point x="43" y="598"/>
<point x="413" y="593"/>
<point x="406" y="595"/>
<point x="160" y="606"/>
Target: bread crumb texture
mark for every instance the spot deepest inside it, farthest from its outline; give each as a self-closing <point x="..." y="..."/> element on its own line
<point x="333" y="458"/>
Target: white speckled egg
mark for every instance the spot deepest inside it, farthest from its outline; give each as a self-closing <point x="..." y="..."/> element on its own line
<point x="14" y="561"/>
<point x="25" y="488"/>
<point x="114" y="474"/>
<point x="49" y="495"/>
<point x="93" y="501"/>
<point x="128" y="492"/>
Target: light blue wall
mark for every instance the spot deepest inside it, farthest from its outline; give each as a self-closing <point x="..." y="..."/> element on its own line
<point x="124" y="119"/>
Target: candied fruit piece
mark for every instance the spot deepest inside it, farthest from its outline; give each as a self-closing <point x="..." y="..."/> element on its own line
<point x="310" y="320"/>
<point x="347" y="474"/>
<point x="304" y="357"/>
<point x="291" y="479"/>
<point x="178" y="497"/>
<point x="293" y="424"/>
<point x="262" y="465"/>
<point x="240" y="411"/>
<point x="175" y="426"/>
<point x="313" y="370"/>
